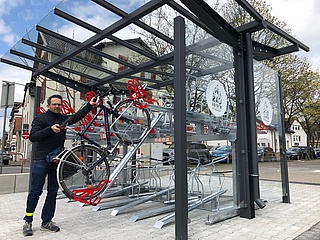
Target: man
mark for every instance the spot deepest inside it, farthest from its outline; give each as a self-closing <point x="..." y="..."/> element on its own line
<point x="47" y="136"/>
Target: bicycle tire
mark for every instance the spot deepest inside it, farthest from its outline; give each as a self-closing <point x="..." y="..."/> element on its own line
<point x="72" y="175"/>
<point x="130" y="132"/>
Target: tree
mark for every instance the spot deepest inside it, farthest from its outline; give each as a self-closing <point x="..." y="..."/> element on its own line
<point x="308" y="106"/>
<point x="299" y="83"/>
<point x="295" y="71"/>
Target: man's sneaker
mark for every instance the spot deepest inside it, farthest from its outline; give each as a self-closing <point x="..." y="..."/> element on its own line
<point x="50" y="226"/>
<point x="27" y="229"/>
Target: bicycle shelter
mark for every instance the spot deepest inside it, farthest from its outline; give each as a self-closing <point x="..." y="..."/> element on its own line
<point x="213" y="70"/>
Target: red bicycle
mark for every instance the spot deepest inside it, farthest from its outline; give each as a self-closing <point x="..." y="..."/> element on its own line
<point x="84" y="170"/>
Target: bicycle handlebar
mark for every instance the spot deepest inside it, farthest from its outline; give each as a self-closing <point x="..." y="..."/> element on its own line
<point x="65" y="123"/>
<point x="113" y="90"/>
<point x="99" y="94"/>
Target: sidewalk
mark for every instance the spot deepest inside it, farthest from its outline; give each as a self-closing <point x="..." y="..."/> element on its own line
<point x="277" y="221"/>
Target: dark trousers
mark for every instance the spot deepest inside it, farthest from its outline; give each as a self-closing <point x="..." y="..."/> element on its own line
<point x="41" y="169"/>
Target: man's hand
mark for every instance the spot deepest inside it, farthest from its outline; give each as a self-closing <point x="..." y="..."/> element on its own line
<point x="56" y="128"/>
<point x="93" y="102"/>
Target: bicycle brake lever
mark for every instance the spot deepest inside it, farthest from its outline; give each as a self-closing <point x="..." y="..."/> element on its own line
<point x="109" y="103"/>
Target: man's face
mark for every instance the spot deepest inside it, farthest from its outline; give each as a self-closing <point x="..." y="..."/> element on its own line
<point x="55" y="105"/>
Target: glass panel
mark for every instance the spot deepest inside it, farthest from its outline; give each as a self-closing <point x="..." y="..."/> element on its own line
<point x="211" y="111"/>
<point x="268" y="126"/>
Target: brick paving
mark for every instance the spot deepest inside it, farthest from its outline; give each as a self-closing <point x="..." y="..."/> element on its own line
<point x="277" y="221"/>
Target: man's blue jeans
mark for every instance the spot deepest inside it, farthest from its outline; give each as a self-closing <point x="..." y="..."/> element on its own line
<point x="41" y="169"/>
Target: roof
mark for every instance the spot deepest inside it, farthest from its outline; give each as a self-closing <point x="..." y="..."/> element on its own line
<point x="55" y="35"/>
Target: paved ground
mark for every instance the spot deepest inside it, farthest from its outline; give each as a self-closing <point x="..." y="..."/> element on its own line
<point x="277" y="221"/>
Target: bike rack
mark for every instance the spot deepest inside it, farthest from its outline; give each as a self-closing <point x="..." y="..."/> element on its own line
<point x="116" y="193"/>
<point x="170" y="218"/>
<point x="86" y="195"/>
<point x="197" y="197"/>
<point x="156" y="212"/>
<point x="127" y="157"/>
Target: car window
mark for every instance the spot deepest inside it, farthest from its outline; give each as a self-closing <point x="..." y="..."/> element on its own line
<point x="201" y="146"/>
<point x="293" y="149"/>
<point x="193" y="146"/>
<point x="224" y="148"/>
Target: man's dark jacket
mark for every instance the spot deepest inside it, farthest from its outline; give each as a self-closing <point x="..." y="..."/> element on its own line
<point x="44" y="138"/>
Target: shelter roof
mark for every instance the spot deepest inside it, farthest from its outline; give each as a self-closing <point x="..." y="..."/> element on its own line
<point x="71" y="39"/>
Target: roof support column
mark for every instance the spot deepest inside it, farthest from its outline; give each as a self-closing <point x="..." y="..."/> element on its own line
<point x="251" y="126"/>
<point x="247" y="164"/>
<point x="180" y="137"/>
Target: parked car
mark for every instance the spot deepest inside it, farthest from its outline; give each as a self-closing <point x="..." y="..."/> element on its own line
<point x="300" y="152"/>
<point x="294" y="153"/>
<point x="194" y="150"/>
<point x="6" y="157"/>
<point x="265" y="154"/>
<point x="317" y="152"/>
<point x="222" y="151"/>
<point x="305" y="153"/>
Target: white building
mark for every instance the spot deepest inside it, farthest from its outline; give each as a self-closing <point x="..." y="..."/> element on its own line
<point x="299" y="137"/>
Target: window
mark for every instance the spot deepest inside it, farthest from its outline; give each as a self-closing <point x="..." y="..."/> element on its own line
<point x="122" y="67"/>
<point x="148" y="75"/>
<point x="296" y="138"/>
<point x="25" y="127"/>
<point x="296" y="127"/>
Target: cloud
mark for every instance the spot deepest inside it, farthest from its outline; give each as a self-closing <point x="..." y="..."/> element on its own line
<point x="16" y="75"/>
<point x="6" y="32"/>
<point x="302" y="18"/>
<point x="7" y="6"/>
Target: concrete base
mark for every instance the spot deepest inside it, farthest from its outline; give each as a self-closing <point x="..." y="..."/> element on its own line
<point x="14" y="183"/>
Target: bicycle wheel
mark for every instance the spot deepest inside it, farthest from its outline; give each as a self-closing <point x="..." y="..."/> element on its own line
<point x="73" y="171"/>
<point x="130" y="132"/>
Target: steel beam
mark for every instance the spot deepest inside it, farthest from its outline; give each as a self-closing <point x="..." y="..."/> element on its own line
<point x="132" y="17"/>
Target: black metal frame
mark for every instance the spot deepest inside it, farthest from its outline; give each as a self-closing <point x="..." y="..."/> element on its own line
<point x="199" y="12"/>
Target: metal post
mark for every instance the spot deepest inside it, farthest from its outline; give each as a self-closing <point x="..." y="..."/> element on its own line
<point x="180" y="137"/>
<point x="35" y="106"/>
<point x="4" y="126"/>
<point x="242" y="169"/>
<point x="282" y="145"/>
<point x="252" y="132"/>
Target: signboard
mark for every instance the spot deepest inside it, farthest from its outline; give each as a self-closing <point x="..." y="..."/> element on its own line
<point x="7" y="95"/>
<point x="266" y="111"/>
<point x="216" y="98"/>
<point x="25" y="135"/>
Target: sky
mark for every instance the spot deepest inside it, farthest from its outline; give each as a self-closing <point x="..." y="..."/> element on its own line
<point x="17" y="17"/>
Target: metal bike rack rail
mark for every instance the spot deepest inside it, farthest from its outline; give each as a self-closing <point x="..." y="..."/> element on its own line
<point x="127" y="157"/>
<point x="115" y="193"/>
<point x="170" y="218"/>
<point x="156" y="212"/>
<point x="142" y="200"/>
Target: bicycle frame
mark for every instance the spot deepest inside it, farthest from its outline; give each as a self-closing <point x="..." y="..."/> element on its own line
<point x="109" y="150"/>
<point x="107" y="154"/>
<point x="106" y="112"/>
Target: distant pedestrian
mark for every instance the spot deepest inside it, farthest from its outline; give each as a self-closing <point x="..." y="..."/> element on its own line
<point x="47" y="137"/>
